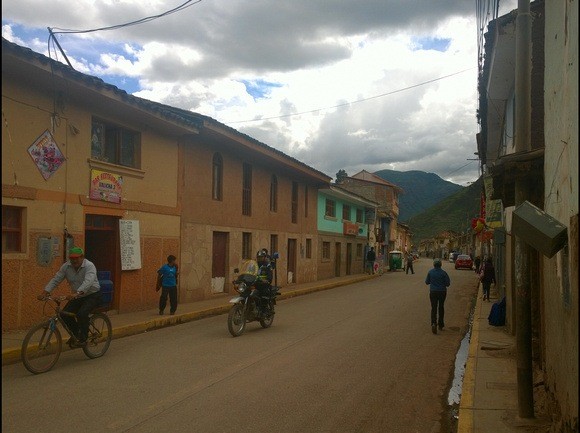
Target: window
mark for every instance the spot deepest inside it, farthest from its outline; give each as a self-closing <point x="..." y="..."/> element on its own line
<point x="247" y="246"/>
<point x="326" y="250"/>
<point x="294" y="202"/>
<point x="346" y="212"/>
<point x="217" y="177"/>
<point x="247" y="190"/>
<point x="359" y="216"/>
<point x="330" y="210"/>
<point x="308" y="248"/>
<point x="305" y="201"/>
<point x="359" y="250"/>
<point x="273" y="244"/>
<point x="12" y="229"/>
<point x="115" y="144"/>
<point x="273" y="193"/>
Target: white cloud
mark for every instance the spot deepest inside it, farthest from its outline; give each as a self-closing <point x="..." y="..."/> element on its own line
<point x="338" y="84"/>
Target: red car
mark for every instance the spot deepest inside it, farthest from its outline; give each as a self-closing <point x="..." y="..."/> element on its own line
<point x="463" y="261"/>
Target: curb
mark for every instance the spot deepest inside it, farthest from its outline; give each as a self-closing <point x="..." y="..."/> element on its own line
<point x="12" y="355"/>
<point x="465" y="421"/>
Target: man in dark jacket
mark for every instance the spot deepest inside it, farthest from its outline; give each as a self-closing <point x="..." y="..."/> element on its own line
<point x="438" y="281"/>
<point x="371" y="257"/>
<point x="487" y="277"/>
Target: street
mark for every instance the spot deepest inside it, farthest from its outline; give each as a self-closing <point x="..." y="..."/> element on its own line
<point x="357" y="358"/>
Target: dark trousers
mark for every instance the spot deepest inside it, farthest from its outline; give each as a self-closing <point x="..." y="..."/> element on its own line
<point x="82" y="307"/>
<point x="437" y="306"/>
<point x="486" y="287"/>
<point x="409" y="266"/>
<point x="172" y="293"/>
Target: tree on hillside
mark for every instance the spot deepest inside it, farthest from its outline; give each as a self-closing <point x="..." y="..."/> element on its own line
<point x="340" y="175"/>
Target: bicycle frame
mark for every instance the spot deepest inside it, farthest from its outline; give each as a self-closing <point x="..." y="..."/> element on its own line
<point x="42" y="345"/>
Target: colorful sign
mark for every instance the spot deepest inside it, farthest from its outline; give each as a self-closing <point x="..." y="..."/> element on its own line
<point x="494" y="213"/>
<point x="105" y="186"/>
<point x="46" y="154"/>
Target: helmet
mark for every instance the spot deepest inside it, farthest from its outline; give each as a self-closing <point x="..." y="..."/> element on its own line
<point x="262" y="256"/>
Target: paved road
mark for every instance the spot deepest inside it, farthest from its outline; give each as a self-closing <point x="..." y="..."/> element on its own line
<point x="358" y="358"/>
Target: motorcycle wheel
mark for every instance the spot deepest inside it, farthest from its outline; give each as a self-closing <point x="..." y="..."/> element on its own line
<point x="266" y="322"/>
<point x="236" y="320"/>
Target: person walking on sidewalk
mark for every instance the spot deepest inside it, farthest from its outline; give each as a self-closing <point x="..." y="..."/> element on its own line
<point x="438" y="281"/>
<point x="410" y="260"/>
<point x="81" y="275"/>
<point x="371" y="256"/>
<point x="167" y="282"/>
<point x="487" y="277"/>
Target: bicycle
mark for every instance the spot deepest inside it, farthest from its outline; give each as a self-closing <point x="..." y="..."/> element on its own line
<point x="42" y="345"/>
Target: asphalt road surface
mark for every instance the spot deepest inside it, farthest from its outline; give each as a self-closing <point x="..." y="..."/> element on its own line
<point x="357" y="358"/>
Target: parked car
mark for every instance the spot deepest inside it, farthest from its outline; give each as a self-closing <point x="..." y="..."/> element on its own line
<point x="463" y="261"/>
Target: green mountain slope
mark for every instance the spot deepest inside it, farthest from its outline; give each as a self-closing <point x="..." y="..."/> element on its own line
<point x="421" y="190"/>
<point x="452" y="213"/>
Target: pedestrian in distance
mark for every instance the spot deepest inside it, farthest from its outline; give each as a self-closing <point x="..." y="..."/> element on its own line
<point x="81" y="275"/>
<point x="167" y="283"/>
<point x="438" y="281"/>
<point x="477" y="263"/>
<point x="487" y="277"/>
<point x="410" y="260"/>
<point x="371" y="257"/>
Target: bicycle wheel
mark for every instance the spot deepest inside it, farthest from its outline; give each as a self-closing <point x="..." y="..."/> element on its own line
<point x="100" y="335"/>
<point x="41" y="347"/>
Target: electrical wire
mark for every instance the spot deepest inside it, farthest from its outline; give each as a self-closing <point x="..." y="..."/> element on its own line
<point x="350" y="103"/>
<point x="179" y="8"/>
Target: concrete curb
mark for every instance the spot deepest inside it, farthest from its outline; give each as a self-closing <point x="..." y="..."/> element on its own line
<point x="12" y="355"/>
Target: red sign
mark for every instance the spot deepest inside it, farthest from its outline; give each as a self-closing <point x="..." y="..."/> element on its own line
<point x="350" y="229"/>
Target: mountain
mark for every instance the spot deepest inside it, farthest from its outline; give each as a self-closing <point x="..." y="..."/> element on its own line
<point x="452" y="213"/>
<point x="421" y="190"/>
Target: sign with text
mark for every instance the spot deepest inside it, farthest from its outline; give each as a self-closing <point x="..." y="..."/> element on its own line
<point x="105" y="186"/>
<point x="494" y="214"/>
<point x="130" y="240"/>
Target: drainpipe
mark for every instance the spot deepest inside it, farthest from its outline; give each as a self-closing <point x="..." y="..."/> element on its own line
<point x="522" y="250"/>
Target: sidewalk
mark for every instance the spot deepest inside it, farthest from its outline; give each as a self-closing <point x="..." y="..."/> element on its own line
<point x="489" y="397"/>
<point x="489" y="391"/>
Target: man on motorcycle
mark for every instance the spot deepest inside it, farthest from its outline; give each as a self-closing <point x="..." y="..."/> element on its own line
<point x="264" y="281"/>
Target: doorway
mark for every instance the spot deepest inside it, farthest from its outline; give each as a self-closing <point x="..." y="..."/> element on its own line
<point x="219" y="262"/>
<point x="102" y="248"/>
<point x="291" y="261"/>
<point x="348" y="259"/>
<point x="337" y="259"/>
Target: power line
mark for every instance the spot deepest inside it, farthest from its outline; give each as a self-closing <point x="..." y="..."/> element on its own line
<point x="352" y="102"/>
<point x="179" y="8"/>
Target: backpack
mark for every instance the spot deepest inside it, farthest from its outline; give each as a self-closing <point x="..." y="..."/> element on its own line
<point x="497" y="314"/>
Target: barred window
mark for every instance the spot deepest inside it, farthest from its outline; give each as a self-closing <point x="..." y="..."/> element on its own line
<point x="217" y="177"/>
<point x="326" y="250"/>
<point x="247" y="190"/>
<point x="12" y="229"/>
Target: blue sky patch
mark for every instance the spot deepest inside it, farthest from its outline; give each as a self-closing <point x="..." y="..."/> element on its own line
<point x="259" y="88"/>
<point x="436" y="44"/>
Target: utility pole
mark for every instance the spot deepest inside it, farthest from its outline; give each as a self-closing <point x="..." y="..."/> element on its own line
<point x="522" y="250"/>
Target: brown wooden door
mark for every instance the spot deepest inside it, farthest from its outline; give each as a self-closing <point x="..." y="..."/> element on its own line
<point x="219" y="261"/>
<point x="348" y="259"/>
<point x="292" y="261"/>
<point x="337" y="259"/>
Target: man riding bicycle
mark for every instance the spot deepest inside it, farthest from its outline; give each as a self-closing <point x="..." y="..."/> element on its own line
<point x="81" y="275"/>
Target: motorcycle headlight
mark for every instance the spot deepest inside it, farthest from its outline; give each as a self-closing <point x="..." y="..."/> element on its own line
<point x="242" y="287"/>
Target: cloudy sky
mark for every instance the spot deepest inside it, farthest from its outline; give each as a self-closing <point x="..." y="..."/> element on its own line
<point x="360" y="84"/>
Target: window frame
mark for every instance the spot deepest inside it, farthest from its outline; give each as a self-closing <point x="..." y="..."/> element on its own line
<point x="273" y="193"/>
<point x="247" y="246"/>
<point x="217" y="177"/>
<point x="102" y="146"/>
<point x="246" y="189"/>
<point x="12" y="234"/>
<point x="330" y="208"/>
<point x="294" y="202"/>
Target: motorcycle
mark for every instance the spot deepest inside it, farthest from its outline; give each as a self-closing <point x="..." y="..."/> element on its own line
<point x="246" y="305"/>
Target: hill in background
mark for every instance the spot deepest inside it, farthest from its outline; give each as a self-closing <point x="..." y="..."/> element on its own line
<point x="421" y="190"/>
<point x="452" y="213"/>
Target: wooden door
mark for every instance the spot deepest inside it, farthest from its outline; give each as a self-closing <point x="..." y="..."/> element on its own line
<point x="219" y="261"/>
<point x="292" y="261"/>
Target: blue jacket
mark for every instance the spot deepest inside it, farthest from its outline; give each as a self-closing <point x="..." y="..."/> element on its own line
<point x="438" y="280"/>
<point x="169" y="275"/>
